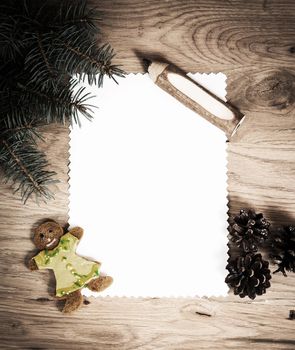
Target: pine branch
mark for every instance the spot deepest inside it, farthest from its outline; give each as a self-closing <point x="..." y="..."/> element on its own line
<point x="43" y="55"/>
<point x="11" y="33"/>
<point x="42" y="72"/>
<point x="11" y="42"/>
<point x="12" y="115"/>
<point x="58" y="105"/>
<point x="24" y="164"/>
<point x="22" y="133"/>
<point x="46" y="48"/>
<point x="16" y="111"/>
<point x="79" y="55"/>
<point x="76" y="14"/>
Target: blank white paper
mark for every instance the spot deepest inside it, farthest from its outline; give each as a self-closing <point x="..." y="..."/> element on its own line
<point x="148" y="184"/>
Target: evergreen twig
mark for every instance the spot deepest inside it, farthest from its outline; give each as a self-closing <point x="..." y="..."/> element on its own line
<point x="45" y="49"/>
<point x="94" y="62"/>
<point x="25" y="165"/>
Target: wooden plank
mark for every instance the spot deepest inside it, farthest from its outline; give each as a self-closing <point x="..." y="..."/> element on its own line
<point x="201" y="35"/>
<point x="253" y="43"/>
<point x="263" y="177"/>
<point x="32" y="320"/>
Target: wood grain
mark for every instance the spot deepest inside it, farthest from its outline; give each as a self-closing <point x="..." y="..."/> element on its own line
<point x="253" y="42"/>
<point x="203" y="35"/>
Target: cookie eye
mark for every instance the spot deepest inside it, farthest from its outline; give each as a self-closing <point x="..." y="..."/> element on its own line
<point x="42" y="235"/>
<point x="50" y="231"/>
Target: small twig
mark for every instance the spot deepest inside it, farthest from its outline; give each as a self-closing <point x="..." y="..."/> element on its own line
<point x="43" y="300"/>
<point x="203" y="314"/>
<point x="98" y="64"/>
<point x="44" y="56"/>
<point x="51" y="98"/>
<point x="22" y="167"/>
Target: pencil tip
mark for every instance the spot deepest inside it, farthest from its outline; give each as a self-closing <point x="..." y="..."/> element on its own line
<point x="146" y="63"/>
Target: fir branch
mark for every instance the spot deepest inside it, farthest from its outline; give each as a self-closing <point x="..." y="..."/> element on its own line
<point x="61" y="105"/>
<point x="12" y="113"/>
<point x="92" y="66"/>
<point x="42" y="52"/>
<point x="95" y="62"/>
<point x="23" y="169"/>
<point x="37" y="62"/>
<point x="76" y="14"/>
<point x="23" y="133"/>
<point x="42" y="47"/>
<point x="16" y="110"/>
<point x="11" y="41"/>
<point x="24" y="164"/>
<point x="79" y="54"/>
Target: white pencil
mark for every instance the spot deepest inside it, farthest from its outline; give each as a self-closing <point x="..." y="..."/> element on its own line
<point x="196" y="97"/>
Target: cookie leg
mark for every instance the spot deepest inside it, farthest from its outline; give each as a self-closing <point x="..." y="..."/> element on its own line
<point x="73" y="302"/>
<point x="99" y="284"/>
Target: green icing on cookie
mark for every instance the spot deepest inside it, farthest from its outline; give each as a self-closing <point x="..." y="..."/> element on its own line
<point x="72" y="272"/>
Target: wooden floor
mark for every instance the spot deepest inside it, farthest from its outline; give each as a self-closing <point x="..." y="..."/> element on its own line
<point x="253" y="42"/>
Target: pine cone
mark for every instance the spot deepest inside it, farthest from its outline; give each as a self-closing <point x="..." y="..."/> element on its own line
<point x="283" y="246"/>
<point x="248" y="230"/>
<point x="248" y="275"/>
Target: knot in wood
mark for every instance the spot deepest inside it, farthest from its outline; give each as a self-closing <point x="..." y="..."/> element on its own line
<point x="277" y="91"/>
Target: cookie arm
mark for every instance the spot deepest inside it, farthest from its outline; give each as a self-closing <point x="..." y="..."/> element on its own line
<point x="32" y="265"/>
<point x="77" y="232"/>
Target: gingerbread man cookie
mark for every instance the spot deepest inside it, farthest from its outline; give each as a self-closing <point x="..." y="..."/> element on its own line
<point x="72" y="272"/>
